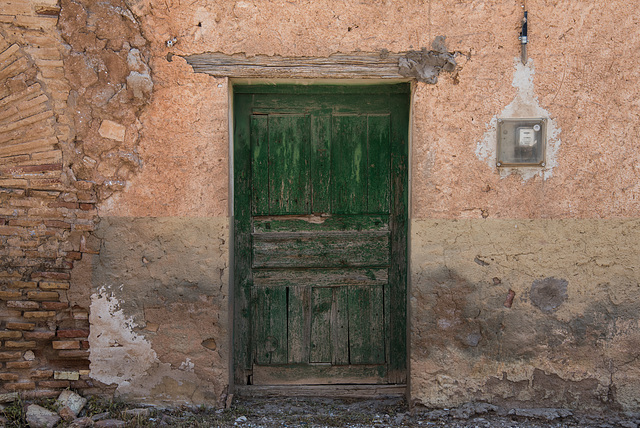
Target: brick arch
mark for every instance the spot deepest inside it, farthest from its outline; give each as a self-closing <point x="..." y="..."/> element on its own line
<point x="30" y="156"/>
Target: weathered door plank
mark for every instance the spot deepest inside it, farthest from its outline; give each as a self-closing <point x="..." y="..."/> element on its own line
<point x="298" y="324"/>
<point x="320" y="277"/>
<point x="379" y="164"/>
<point x="320" y="163"/>
<point x="349" y="164"/>
<point x="319" y="375"/>
<point x="366" y="325"/>
<point x="340" y="326"/>
<point x="323" y="223"/>
<point x="260" y="164"/>
<point x="326" y="249"/>
<point x="288" y="164"/>
<point x="270" y="325"/>
<point x="321" y="312"/>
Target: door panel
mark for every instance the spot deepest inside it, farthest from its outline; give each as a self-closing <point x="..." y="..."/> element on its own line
<point x="322" y="237"/>
<point x="288" y="147"/>
<point x="311" y="250"/>
<point x="349" y="165"/>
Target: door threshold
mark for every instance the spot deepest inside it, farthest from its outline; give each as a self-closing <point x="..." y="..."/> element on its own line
<point x="326" y="391"/>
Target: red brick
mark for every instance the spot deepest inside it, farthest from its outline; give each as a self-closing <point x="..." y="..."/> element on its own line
<point x="57" y="224"/>
<point x="21" y="386"/>
<point x="86" y="215"/>
<point x="80" y="227"/>
<point x="74" y="255"/>
<point x="10" y="230"/>
<point x="84" y="344"/>
<point x="66" y="344"/>
<point x="9" y="377"/>
<point x="52" y="275"/>
<point x="22" y="284"/>
<point x="13" y="276"/>
<point x="86" y="207"/>
<point x="22" y="344"/>
<point x="42" y="374"/>
<point x="39" y="315"/>
<point x="36" y="168"/>
<point x="48" y="285"/>
<point x="86" y="197"/>
<point x="10" y="355"/>
<point x="24" y="222"/>
<point x="53" y="384"/>
<point x="43" y="295"/>
<point x="48" y="213"/>
<point x="73" y="354"/>
<point x="36" y="254"/>
<point x="20" y="325"/>
<point x="21" y="304"/>
<point x="19" y="365"/>
<point x="73" y="333"/>
<point x="27" y="202"/>
<point x="45" y="194"/>
<point x="10" y="295"/>
<point x="54" y="306"/>
<point x="10" y="313"/>
<point x="39" y="335"/>
<point x="61" y="204"/>
<point x="10" y="334"/>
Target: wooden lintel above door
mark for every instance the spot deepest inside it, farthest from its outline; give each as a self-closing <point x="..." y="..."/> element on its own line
<point x="424" y="65"/>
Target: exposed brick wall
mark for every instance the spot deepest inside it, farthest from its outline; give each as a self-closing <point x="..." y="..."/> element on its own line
<point x="46" y="215"/>
<point x="73" y="81"/>
<point x="43" y="340"/>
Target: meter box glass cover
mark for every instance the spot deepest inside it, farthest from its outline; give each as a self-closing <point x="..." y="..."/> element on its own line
<point x="521" y="142"/>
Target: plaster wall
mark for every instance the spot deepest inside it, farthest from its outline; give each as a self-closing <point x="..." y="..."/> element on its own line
<point x="577" y="218"/>
<point x="525" y="312"/>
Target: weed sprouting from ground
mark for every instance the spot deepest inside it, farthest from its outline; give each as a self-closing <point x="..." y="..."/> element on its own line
<point x="15" y="414"/>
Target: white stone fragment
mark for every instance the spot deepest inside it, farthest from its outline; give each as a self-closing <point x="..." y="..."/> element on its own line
<point x="71" y="400"/>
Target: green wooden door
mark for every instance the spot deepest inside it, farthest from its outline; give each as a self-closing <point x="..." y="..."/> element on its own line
<point x="320" y="224"/>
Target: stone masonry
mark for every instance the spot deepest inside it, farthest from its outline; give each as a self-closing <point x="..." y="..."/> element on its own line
<point x="60" y="148"/>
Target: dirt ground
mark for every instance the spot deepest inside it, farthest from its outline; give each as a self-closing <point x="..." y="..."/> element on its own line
<point x="319" y="412"/>
<point x="308" y="413"/>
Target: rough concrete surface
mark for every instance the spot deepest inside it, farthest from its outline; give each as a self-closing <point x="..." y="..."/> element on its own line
<point x="570" y="337"/>
<point x="159" y="305"/>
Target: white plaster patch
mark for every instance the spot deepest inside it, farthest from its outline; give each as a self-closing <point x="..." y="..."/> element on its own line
<point x="525" y="105"/>
<point x="187" y="365"/>
<point x="118" y="355"/>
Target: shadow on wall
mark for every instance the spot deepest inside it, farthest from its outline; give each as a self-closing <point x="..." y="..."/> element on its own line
<point x="160" y="304"/>
<point x="533" y="353"/>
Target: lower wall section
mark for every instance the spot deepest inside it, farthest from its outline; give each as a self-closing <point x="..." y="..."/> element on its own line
<point x="159" y="309"/>
<point x="531" y="313"/>
<point x="540" y="313"/>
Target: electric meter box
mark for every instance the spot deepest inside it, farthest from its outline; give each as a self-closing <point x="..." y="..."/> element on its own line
<point x="521" y="142"/>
